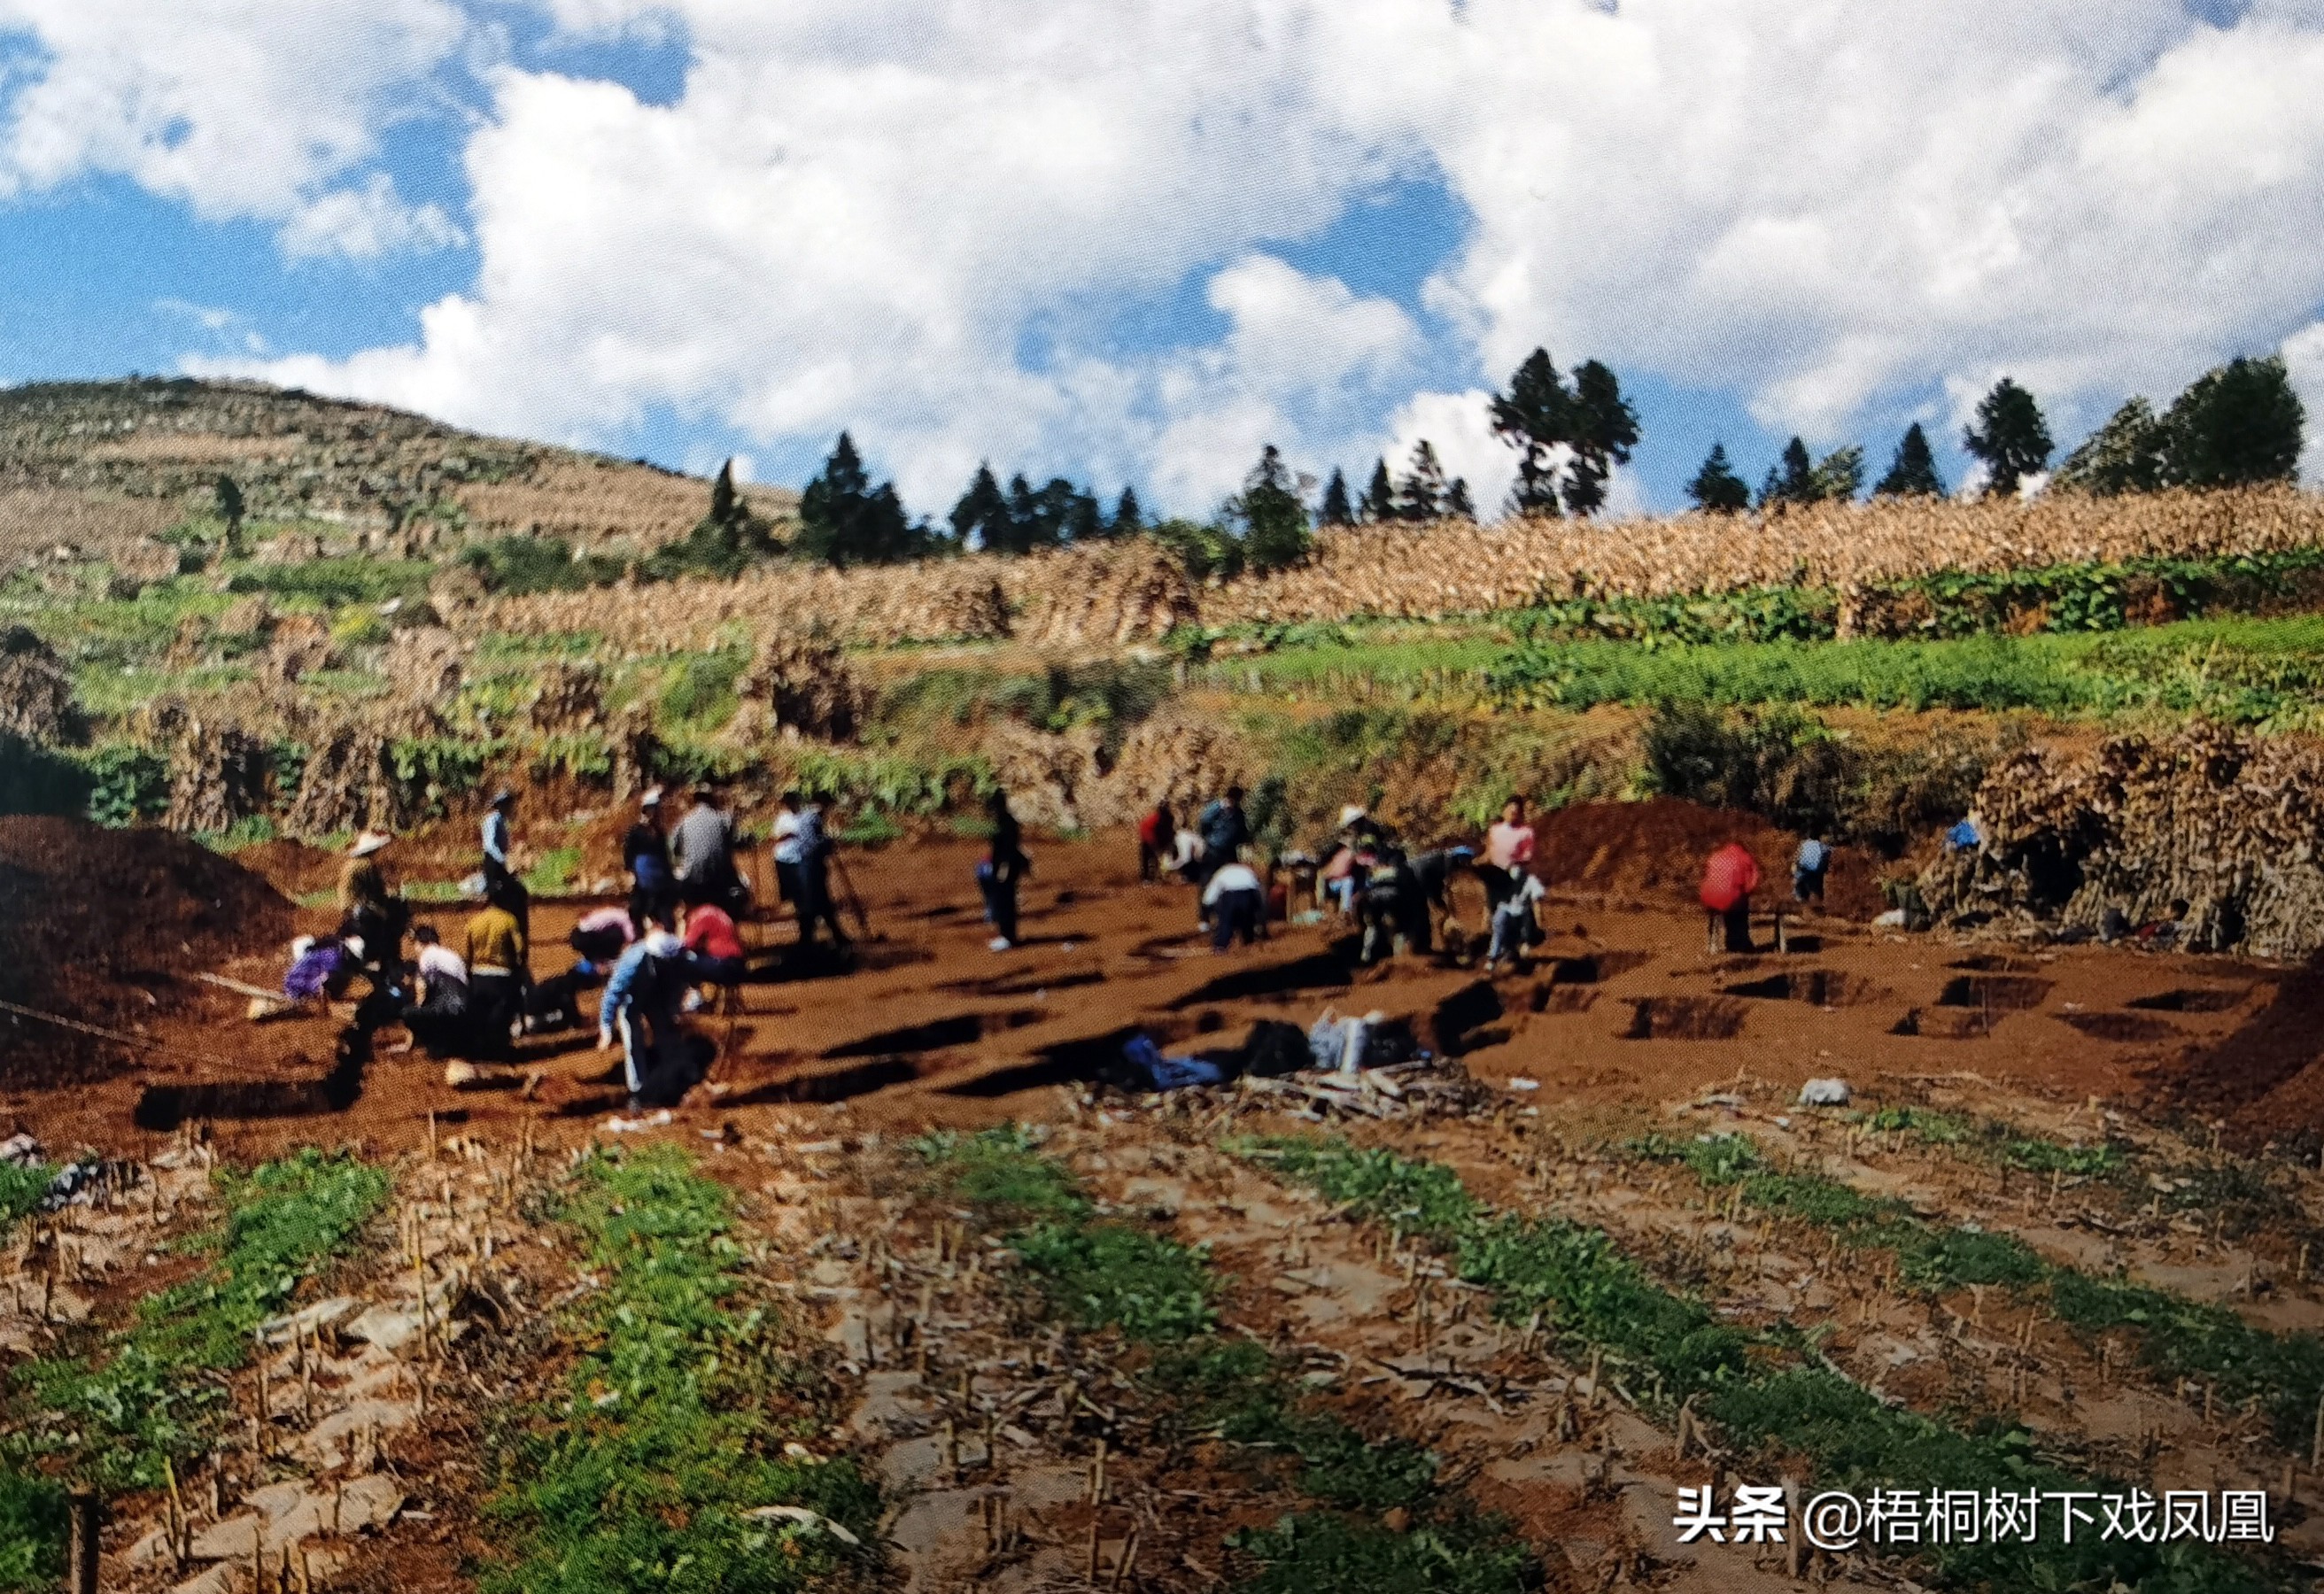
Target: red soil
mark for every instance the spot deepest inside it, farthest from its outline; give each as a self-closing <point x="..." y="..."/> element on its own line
<point x="1623" y="1008"/>
<point x="103" y="925"/>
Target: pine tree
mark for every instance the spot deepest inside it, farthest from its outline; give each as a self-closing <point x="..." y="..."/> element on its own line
<point x="1420" y="496"/>
<point x="2010" y="436"/>
<point x="1913" y="474"/>
<point x="1084" y="521"/>
<point x="1838" y="475"/>
<point x="1792" y="480"/>
<point x="1273" y="521"/>
<point x="844" y="519"/>
<point x="1129" y="519"/>
<point x="1379" y="495"/>
<point x="1458" y="505"/>
<point x="982" y="513"/>
<point x="2234" y="425"/>
<point x="1716" y="489"/>
<point x="1535" y="417"/>
<point x="2124" y="455"/>
<point x="723" y="496"/>
<point x="1603" y="431"/>
<point x="1337" y="511"/>
<point x="228" y="495"/>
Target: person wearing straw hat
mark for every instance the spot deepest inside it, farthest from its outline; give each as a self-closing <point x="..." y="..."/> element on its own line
<point x="645" y="853"/>
<point x="369" y="911"/>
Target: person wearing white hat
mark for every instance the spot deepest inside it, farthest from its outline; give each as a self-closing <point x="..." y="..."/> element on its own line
<point x="369" y="911"/>
<point x="645" y="853"/>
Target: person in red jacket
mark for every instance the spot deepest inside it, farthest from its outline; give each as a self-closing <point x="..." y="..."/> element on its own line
<point x="1158" y="836"/>
<point x="713" y="951"/>
<point x="1729" y="876"/>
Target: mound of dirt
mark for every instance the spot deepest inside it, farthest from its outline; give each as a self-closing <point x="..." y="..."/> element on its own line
<point x="1652" y="853"/>
<point x="293" y="868"/>
<point x="107" y="926"/>
<point x="2267" y="1078"/>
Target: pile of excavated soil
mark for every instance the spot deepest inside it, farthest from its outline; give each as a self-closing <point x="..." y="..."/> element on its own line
<point x="293" y="868"/>
<point x="1652" y="853"/>
<point x="2267" y="1078"/>
<point x="107" y="926"/>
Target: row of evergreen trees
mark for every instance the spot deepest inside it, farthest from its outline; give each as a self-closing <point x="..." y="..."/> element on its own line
<point x="2240" y="424"/>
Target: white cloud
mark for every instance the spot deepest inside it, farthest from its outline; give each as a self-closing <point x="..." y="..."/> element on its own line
<point x="367" y="222"/>
<point x="2304" y="358"/>
<point x="924" y="222"/>
<point x="242" y="109"/>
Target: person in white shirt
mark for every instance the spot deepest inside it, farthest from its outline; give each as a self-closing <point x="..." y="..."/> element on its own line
<point x="1235" y="900"/>
<point x="437" y="1012"/>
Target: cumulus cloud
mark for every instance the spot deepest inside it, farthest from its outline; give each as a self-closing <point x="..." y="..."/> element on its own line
<point x="366" y="222"/>
<point x="2304" y="358"/>
<point x="929" y="223"/>
<point x="240" y="109"/>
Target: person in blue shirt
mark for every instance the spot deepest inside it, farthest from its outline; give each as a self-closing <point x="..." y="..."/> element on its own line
<point x="641" y="1006"/>
<point x="500" y="883"/>
<point x="1808" y="868"/>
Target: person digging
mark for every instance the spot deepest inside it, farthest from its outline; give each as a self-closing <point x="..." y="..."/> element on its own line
<point x="641" y="1007"/>
<point x="1729" y="876"/>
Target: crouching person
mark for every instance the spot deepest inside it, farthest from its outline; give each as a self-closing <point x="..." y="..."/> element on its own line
<point x="641" y="1006"/>
<point x="1235" y="902"/>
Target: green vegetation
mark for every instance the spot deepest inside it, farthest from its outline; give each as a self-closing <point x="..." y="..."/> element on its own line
<point x="1755" y="1386"/>
<point x="335" y="584"/>
<point x="1997" y="1142"/>
<point x="115" y="1412"/>
<point x="1108" y="1274"/>
<point x="518" y="565"/>
<point x="671" y="1425"/>
<point x="2251" y="672"/>
<point x="119" y="1410"/>
<point x="2176" y="1337"/>
<point x="21" y="1190"/>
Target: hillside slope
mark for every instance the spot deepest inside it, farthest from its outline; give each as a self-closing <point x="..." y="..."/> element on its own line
<point x="89" y="463"/>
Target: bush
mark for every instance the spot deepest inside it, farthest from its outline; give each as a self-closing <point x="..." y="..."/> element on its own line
<point x="520" y="565"/>
<point x="127" y="783"/>
<point x="36" y="780"/>
<point x="336" y="583"/>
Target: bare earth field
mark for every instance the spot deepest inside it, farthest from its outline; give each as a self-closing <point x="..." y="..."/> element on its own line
<point x="1017" y="1447"/>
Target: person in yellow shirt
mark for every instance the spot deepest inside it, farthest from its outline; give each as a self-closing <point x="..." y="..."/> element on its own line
<point x="497" y="971"/>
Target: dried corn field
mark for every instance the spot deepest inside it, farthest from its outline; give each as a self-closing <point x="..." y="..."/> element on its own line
<point x="1099" y="598"/>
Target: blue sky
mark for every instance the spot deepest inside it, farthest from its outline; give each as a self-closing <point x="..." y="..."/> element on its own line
<point x="1134" y="241"/>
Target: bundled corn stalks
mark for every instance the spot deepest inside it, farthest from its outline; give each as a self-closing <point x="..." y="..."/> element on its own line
<point x="1174" y="757"/>
<point x="799" y="684"/>
<point x="2228" y="825"/>
<point x="36" y="693"/>
<point x="424" y="664"/>
<point x="1045" y="772"/>
<point x="217" y="777"/>
<point x="568" y="699"/>
<point x="1105" y="596"/>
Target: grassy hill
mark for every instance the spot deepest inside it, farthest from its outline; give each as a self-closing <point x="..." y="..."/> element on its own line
<point x="103" y="468"/>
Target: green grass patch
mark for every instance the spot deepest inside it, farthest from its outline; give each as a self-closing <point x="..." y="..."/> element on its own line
<point x="1110" y="1275"/>
<point x="1154" y="1290"/>
<point x="670" y="1426"/>
<point x="118" y="1411"/>
<point x="1756" y="1386"/>
<point x="2175" y="1337"/>
<point x="2250" y="672"/>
